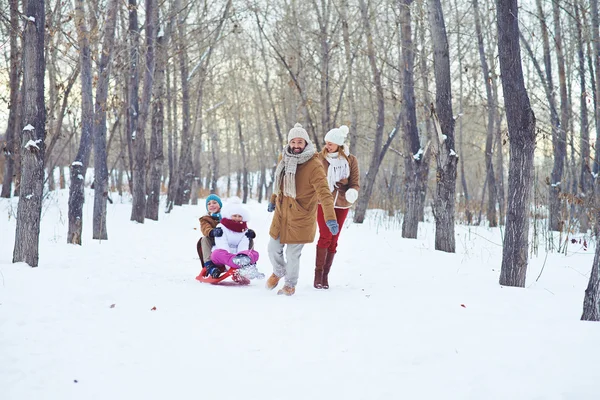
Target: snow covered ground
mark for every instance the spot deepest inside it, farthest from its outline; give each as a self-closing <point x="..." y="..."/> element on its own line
<point x="125" y="318"/>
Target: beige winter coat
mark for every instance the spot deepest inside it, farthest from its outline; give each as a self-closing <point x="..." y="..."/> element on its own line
<point x="295" y="220"/>
<point x="353" y="181"/>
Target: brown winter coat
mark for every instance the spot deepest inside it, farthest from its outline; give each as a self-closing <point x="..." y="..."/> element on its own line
<point x="353" y="181"/>
<point x="295" y="220"/>
<point x="207" y="224"/>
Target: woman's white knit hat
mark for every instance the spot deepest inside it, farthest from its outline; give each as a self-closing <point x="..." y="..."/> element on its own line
<point x="337" y="135"/>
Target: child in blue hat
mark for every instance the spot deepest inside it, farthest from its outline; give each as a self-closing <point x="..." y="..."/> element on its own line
<point x="209" y="229"/>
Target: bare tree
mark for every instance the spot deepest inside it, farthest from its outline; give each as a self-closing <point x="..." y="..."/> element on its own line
<point x="27" y="234"/>
<point x="156" y="140"/>
<point x="591" y="301"/>
<point x="79" y="166"/>
<point x="11" y="147"/>
<point x="413" y="160"/>
<point x="138" y="209"/>
<point x="586" y="180"/>
<point x="100" y="154"/>
<point x="491" y="110"/>
<point x="521" y="128"/>
<point x="378" y="150"/>
<point x="446" y="158"/>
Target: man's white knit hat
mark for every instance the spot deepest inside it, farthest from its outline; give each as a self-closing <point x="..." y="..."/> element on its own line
<point x="298" y="132"/>
<point x="337" y="135"/>
<point x="234" y="206"/>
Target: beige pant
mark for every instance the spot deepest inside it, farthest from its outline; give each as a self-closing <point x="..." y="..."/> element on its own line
<point x="290" y="268"/>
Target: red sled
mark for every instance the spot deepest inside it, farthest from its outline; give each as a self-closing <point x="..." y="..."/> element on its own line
<point x="231" y="272"/>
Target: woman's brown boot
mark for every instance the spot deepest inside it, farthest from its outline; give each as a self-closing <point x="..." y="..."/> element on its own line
<point x="319" y="263"/>
<point x="326" y="269"/>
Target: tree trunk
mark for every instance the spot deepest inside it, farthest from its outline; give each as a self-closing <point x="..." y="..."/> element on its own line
<point x="591" y="300"/>
<point x="184" y="175"/>
<point x="11" y="148"/>
<point x="349" y="54"/>
<point x="560" y="153"/>
<point x="135" y="125"/>
<point x="489" y="140"/>
<point x="596" y="41"/>
<point x="521" y="128"/>
<point x="463" y="179"/>
<point x="171" y="145"/>
<point x="79" y="166"/>
<point x="156" y="141"/>
<point x="557" y="142"/>
<point x="444" y="121"/>
<point x="413" y="160"/>
<point x="377" y="156"/>
<point x="27" y="233"/>
<point x="138" y="209"/>
<point x="100" y="153"/>
<point x="586" y="180"/>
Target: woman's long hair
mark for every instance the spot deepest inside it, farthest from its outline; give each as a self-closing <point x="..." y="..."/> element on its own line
<point x="341" y="150"/>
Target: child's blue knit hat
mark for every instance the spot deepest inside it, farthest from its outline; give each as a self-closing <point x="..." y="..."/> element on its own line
<point x="215" y="198"/>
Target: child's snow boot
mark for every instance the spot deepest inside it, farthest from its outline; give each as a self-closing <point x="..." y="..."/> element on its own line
<point x="252" y="272"/>
<point x="272" y="282"/>
<point x="241" y="260"/>
<point x="212" y="270"/>
<point x="287" y="290"/>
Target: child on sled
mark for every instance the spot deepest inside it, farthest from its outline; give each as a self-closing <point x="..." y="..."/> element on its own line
<point x="232" y="246"/>
<point x="208" y="225"/>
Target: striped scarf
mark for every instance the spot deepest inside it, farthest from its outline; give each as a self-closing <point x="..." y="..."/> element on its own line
<point x="286" y="170"/>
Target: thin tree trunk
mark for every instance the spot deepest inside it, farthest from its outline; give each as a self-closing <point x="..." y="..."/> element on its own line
<point x="586" y="180"/>
<point x="79" y="166"/>
<point x="350" y="77"/>
<point x="378" y="150"/>
<point x="413" y="160"/>
<point x="135" y="123"/>
<point x="27" y="233"/>
<point x="138" y="209"/>
<point x="521" y="128"/>
<point x="156" y="141"/>
<point x="489" y="140"/>
<point x="184" y="172"/>
<point x="100" y="153"/>
<point x="591" y="301"/>
<point x="447" y="159"/>
<point x="11" y="148"/>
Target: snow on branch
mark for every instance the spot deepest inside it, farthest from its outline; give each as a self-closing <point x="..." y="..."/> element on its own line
<point x="28" y="128"/>
<point x="77" y="164"/>
<point x="418" y="154"/>
<point x="33" y="144"/>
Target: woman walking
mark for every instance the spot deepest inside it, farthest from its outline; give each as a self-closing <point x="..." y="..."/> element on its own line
<point x="343" y="178"/>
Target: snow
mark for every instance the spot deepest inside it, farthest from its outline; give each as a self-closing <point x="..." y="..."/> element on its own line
<point x="31" y="18"/>
<point x="418" y="154"/>
<point x="77" y="163"/>
<point x="124" y="318"/>
<point x="28" y="127"/>
<point x="452" y="153"/>
<point x="32" y="143"/>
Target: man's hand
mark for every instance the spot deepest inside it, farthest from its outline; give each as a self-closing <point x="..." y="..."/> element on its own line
<point x="271" y="207"/>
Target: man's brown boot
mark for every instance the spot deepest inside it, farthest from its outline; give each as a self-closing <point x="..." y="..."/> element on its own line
<point x="287" y="290"/>
<point x="326" y="269"/>
<point x="272" y="282"/>
<point x="319" y="263"/>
